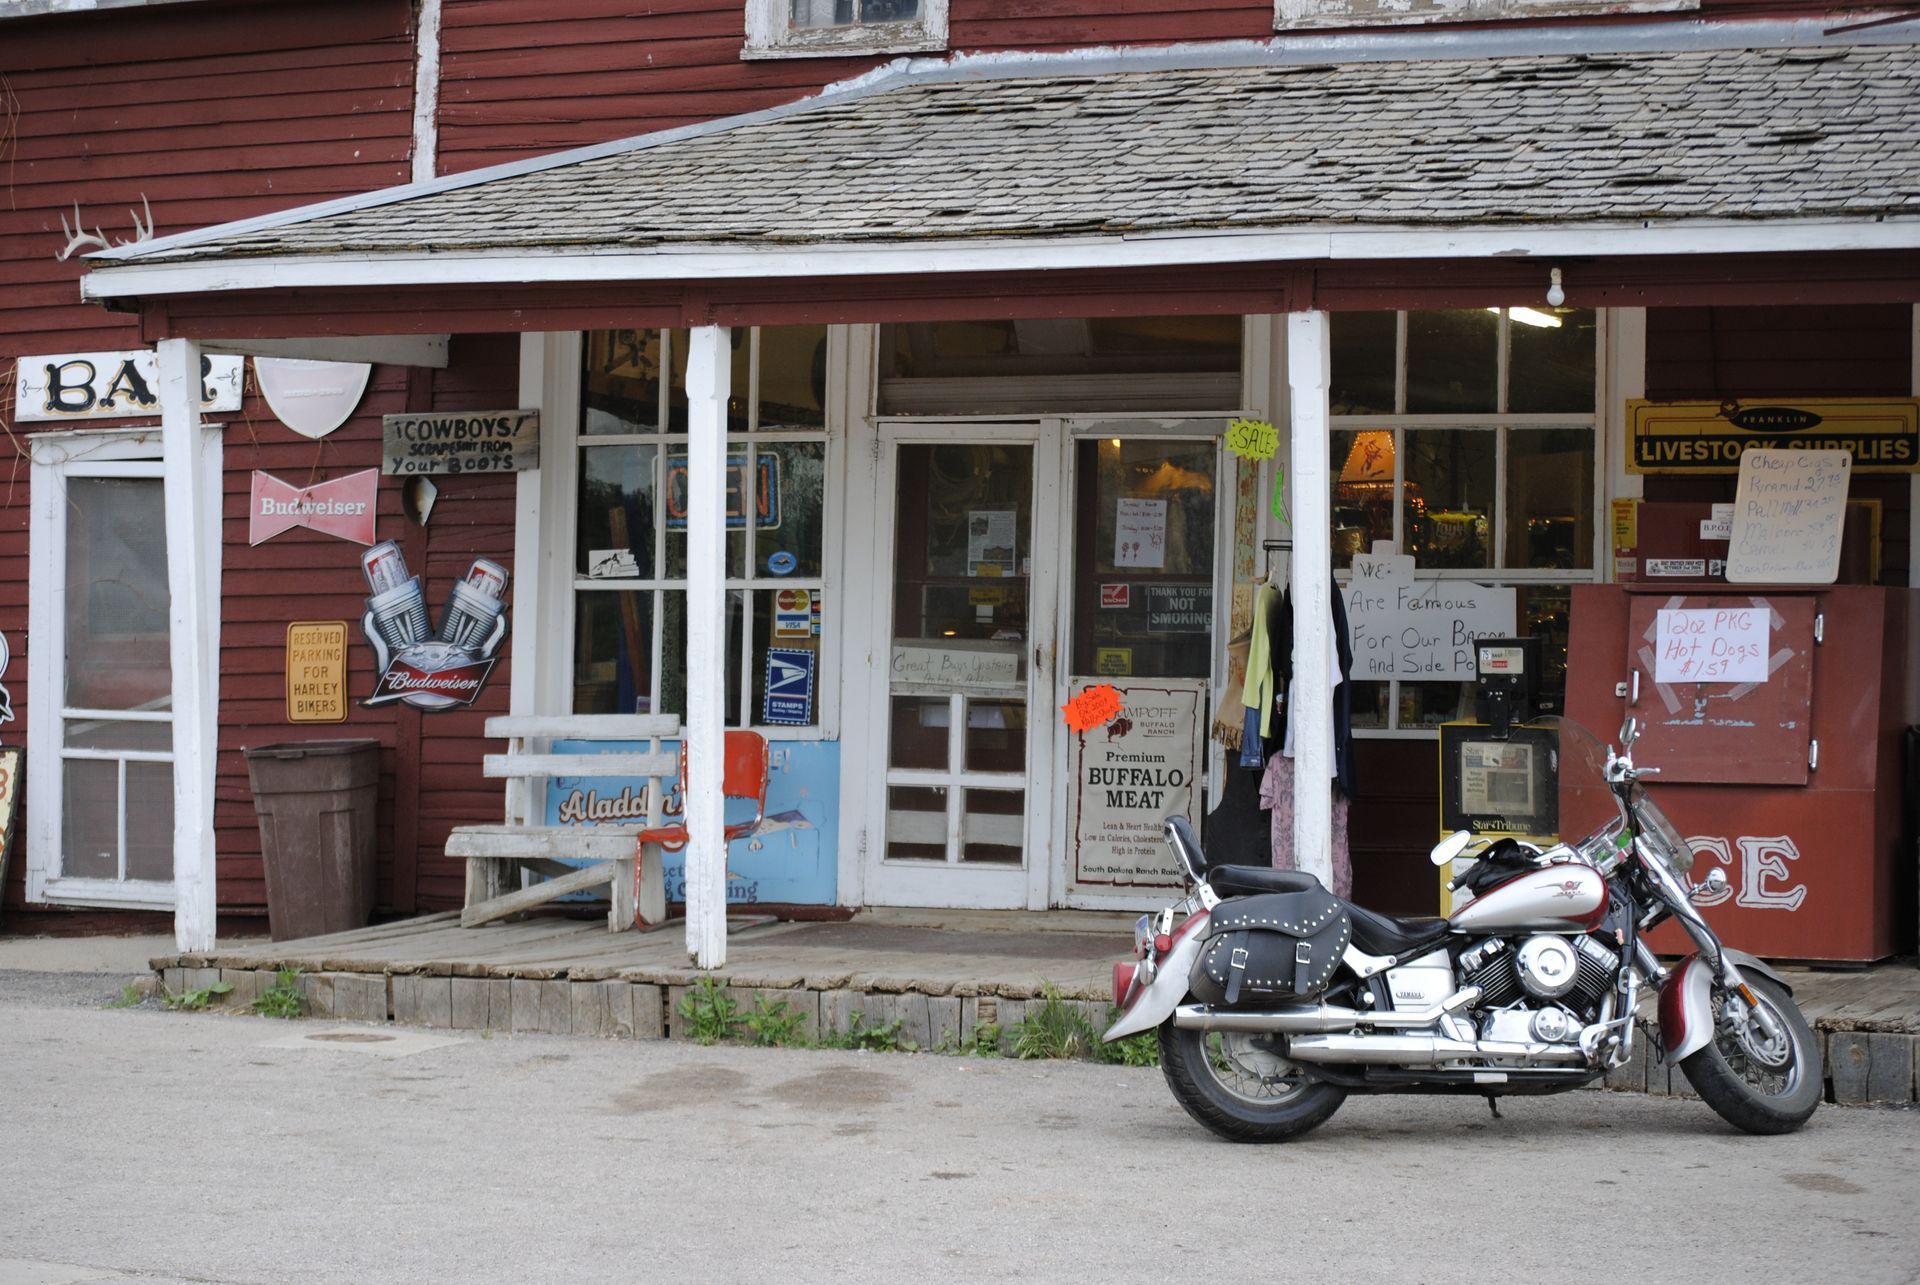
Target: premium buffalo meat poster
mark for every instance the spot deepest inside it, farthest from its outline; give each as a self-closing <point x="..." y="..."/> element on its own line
<point x="1127" y="778"/>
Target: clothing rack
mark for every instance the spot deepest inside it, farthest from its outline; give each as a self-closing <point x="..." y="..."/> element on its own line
<point x="1271" y="547"/>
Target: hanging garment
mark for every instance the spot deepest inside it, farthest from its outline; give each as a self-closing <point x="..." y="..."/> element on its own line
<point x="1236" y="832"/>
<point x="1228" y="723"/>
<point x="1339" y="667"/>
<point x="1276" y="795"/>
<point x="1260" y="688"/>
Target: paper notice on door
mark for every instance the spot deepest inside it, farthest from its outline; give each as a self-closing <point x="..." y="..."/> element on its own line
<point x="1140" y="534"/>
<point x="990" y="542"/>
<point x="1711" y="645"/>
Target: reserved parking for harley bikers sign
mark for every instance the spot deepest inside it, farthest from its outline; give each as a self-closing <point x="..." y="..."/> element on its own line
<point x="317" y="671"/>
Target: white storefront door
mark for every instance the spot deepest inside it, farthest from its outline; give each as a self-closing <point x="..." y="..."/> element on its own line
<point x="960" y="685"/>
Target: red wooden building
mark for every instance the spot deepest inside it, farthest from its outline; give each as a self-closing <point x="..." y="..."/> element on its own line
<point x="977" y="290"/>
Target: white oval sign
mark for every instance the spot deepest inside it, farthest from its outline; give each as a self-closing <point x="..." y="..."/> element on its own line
<point x="311" y="397"/>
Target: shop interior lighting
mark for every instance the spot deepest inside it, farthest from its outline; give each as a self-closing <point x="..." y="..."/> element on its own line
<point x="1533" y="317"/>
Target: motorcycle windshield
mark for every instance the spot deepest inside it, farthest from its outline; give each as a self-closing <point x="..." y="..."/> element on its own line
<point x="1587" y="807"/>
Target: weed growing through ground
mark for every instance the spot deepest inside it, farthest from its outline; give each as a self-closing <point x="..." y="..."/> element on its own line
<point x="130" y="994"/>
<point x="711" y="1014"/>
<point x="1054" y="1028"/>
<point x="194" y="1000"/>
<point x="284" y="998"/>
<point x="986" y="1040"/>
<point x="773" y="1023"/>
<point x="1134" y="1050"/>
<point x="884" y="1038"/>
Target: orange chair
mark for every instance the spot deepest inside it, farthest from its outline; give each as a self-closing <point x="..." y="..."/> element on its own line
<point x="743" y="776"/>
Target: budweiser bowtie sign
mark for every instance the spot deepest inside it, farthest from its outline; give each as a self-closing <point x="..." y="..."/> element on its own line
<point x="343" y="507"/>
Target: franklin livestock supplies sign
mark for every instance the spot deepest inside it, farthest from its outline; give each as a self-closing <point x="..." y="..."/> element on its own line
<point x="486" y="441"/>
<point x="1882" y="434"/>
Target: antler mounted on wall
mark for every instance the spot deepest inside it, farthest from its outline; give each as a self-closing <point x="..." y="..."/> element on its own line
<point x="78" y="238"/>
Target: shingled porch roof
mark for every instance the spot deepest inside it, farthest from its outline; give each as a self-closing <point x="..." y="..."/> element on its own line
<point x="959" y="159"/>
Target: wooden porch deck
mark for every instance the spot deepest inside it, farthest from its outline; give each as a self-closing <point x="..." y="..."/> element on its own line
<point x="1010" y="953"/>
<point x="945" y="952"/>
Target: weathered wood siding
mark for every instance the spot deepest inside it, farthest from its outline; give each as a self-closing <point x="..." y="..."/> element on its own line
<point x="526" y="77"/>
<point x="208" y="112"/>
<point x="1864" y="350"/>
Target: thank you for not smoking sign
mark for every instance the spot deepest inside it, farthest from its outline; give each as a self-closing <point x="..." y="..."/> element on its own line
<point x="483" y="441"/>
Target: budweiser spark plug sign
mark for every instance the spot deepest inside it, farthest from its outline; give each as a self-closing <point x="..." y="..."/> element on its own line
<point x="428" y="668"/>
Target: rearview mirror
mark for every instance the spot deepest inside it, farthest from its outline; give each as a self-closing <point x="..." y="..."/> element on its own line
<point x="1629" y="733"/>
<point x="1450" y="847"/>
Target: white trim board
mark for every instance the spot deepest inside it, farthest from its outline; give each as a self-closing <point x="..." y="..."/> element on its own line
<point x="529" y="267"/>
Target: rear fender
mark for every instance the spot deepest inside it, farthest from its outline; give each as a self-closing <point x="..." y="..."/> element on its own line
<point x="1154" y="1003"/>
<point x="1686" y="1001"/>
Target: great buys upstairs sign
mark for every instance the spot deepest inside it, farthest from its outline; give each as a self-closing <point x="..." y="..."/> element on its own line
<point x="82" y="386"/>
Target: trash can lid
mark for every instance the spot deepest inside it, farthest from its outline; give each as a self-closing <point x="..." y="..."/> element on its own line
<point x="302" y="749"/>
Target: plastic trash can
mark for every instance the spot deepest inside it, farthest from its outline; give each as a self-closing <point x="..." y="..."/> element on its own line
<point x="316" y="802"/>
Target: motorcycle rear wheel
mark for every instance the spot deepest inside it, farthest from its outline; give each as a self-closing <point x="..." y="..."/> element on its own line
<point x="1755" y="1085"/>
<point x="1243" y="1087"/>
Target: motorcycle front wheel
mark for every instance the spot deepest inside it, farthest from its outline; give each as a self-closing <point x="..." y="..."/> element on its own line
<point x="1754" y="1083"/>
<point x="1243" y="1087"/>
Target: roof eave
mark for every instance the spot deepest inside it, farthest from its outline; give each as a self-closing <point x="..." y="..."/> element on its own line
<point x="507" y="267"/>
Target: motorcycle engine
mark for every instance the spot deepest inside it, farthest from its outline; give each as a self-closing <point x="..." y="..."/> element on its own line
<point x="1547" y="987"/>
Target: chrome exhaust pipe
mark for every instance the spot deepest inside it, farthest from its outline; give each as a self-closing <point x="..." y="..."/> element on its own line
<point x="1318" y="1018"/>
<point x="1425" y="1050"/>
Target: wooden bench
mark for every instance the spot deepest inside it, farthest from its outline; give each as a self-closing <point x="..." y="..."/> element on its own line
<point x="497" y="856"/>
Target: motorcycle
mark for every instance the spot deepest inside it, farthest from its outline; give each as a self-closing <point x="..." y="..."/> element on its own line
<point x="1274" y="999"/>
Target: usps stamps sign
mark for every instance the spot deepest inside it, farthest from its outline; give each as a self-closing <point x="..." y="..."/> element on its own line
<point x="789" y="691"/>
<point x="1419" y="629"/>
<point x="1128" y="776"/>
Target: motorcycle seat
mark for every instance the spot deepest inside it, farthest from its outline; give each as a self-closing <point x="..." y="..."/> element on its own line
<point x="1250" y="881"/>
<point x="1378" y="934"/>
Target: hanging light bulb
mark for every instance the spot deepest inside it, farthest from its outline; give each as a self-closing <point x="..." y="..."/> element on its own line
<point x="1555" y="294"/>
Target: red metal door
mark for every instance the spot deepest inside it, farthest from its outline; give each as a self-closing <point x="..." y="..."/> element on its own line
<point x="1726" y="733"/>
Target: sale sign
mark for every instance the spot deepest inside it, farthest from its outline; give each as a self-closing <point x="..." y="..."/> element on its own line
<point x="1095" y="707"/>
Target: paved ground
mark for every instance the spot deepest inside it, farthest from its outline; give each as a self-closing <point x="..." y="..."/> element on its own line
<point x="167" y="1146"/>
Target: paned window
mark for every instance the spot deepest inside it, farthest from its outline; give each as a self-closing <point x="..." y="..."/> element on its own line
<point x="630" y="547"/>
<point x="823" y="28"/>
<point x="1466" y="439"/>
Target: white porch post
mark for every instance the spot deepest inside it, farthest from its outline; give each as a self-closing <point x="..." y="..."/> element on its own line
<point x="1310" y="703"/>
<point x="709" y="370"/>
<point x="193" y="533"/>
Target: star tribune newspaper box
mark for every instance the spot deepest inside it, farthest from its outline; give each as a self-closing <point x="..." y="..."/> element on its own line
<point x="1499" y="775"/>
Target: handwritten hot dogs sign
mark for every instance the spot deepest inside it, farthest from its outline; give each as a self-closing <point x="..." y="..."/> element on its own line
<point x="1711" y="644"/>
<point x="481" y="441"/>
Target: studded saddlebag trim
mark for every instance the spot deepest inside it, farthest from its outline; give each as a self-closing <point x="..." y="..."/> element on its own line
<point x="1273" y="945"/>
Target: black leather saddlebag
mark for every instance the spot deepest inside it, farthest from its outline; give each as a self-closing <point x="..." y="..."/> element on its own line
<point x="1282" y="945"/>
